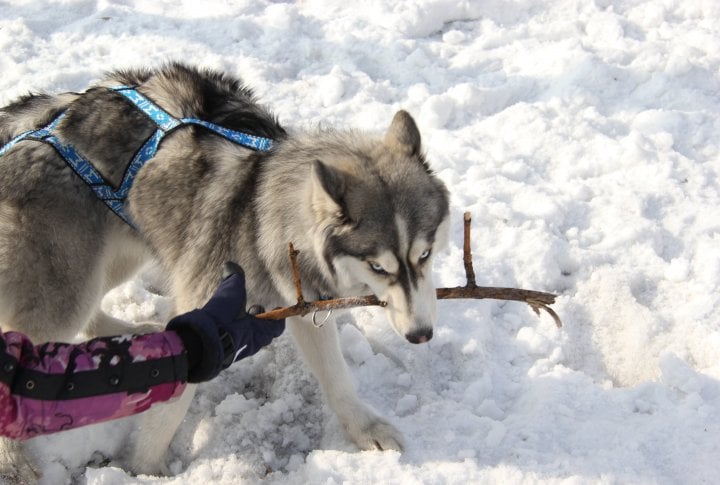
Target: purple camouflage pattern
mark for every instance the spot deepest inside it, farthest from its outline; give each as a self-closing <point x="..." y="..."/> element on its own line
<point x="22" y="417"/>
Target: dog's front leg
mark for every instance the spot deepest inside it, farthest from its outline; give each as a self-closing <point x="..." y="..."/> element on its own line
<point x="15" y="469"/>
<point x="151" y="440"/>
<point x="320" y="348"/>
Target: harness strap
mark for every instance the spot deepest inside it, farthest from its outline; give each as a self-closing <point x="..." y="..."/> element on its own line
<point x="166" y="122"/>
<point x="115" y="199"/>
<point x="84" y="169"/>
<point x="42" y="131"/>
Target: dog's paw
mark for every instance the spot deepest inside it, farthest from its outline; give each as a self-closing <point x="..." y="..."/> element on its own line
<point x="137" y="466"/>
<point x="371" y="432"/>
<point x="161" y="470"/>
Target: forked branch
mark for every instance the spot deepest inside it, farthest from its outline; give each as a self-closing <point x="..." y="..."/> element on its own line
<point x="537" y="300"/>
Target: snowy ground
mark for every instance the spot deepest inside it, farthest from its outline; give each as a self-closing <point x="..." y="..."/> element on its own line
<point x="582" y="135"/>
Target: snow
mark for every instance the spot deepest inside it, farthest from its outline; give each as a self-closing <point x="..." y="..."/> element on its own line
<point x="583" y="138"/>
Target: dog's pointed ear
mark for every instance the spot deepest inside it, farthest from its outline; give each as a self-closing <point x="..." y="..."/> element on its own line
<point x="328" y="191"/>
<point x="403" y="134"/>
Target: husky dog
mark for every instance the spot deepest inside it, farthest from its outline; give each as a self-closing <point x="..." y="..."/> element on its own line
<point x="366" y="213"/>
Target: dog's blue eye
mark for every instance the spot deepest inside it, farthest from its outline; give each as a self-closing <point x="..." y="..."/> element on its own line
<point x="425" y="254"/>
<point x="377" y="267"/>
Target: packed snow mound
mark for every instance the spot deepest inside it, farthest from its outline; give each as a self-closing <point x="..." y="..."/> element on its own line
<point x="583" y="138"/>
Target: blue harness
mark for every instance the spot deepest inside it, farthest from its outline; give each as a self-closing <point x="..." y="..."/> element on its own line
<point x="115" y="199"/>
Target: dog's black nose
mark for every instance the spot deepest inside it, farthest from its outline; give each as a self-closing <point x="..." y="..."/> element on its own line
<point x="419" y="336"/>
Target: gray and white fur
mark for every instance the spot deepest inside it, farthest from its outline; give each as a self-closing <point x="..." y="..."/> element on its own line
<point x="366" y="213"/>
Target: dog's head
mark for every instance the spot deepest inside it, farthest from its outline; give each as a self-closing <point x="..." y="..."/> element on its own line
<point x="384" y="215"/>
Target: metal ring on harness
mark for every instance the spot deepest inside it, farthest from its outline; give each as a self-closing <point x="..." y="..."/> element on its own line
<point x="319" y="325"/>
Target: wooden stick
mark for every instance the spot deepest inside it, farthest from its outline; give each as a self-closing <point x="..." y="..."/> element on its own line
<point x="321" y="306"/>
<point x="495" y="293"/>
<point x="302" y="307"/>
<point x="537" y="300"/>
<point x="296" y="274"/>
<point x="467" y="251"/>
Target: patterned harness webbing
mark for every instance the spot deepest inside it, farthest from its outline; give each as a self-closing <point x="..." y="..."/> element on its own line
<point x="115" y="199"/>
